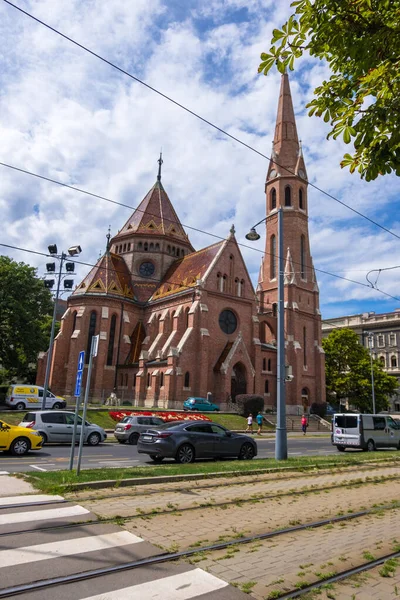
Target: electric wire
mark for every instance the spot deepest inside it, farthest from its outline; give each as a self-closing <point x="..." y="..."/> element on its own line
<point x="194" y="114"/>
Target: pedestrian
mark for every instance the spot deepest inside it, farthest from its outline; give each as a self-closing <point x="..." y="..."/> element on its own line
<point x="250" y="423"/>
<point x="304" y="424"/>
<point x="259" y="419"/>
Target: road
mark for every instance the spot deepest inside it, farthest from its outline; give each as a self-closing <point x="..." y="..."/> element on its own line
<point x="56" y="457"/>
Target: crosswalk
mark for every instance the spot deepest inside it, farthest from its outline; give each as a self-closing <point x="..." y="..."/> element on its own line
<point x="48" y="546"/>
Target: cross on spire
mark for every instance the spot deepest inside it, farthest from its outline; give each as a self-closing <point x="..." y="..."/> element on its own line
<point x="108" y="236"/>
<point x="160" y="162"/>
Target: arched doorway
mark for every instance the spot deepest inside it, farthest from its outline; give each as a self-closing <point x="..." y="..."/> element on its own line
<point x="305" y="399"/>
<point x="238" y="380"/>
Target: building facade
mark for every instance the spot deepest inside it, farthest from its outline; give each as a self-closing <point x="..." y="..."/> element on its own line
<point x="174" y="322"/>
<point x="380" y="333"/>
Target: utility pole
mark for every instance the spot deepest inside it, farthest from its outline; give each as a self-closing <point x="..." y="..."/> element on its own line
<point x="281" y="432"/>
<point x="93" y="352"/>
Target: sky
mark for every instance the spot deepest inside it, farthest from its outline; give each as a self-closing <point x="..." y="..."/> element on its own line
<point x="68" y="116"/>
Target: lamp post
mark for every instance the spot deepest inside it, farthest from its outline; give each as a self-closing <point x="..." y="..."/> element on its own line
<point x="281" y="432"/>
<point x="370" y="342"/>
<point x="73" y="251"/>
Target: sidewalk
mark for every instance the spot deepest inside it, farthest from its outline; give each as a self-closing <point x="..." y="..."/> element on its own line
<point x="12" y="486"/>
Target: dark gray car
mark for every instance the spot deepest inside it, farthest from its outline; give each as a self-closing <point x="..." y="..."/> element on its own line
<point x="131" y="426"/>
<point x="188" y="440"/>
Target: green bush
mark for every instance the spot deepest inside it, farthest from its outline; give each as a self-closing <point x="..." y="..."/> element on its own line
<point x="249" y="403"/>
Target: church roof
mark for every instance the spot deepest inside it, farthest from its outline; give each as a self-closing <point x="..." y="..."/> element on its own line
<point x="156" y="216"/>
<point x="110" y="276"/>
<point x="184" y="273"/>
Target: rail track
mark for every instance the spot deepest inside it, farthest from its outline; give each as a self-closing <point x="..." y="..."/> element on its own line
<point x="165" y="557"/>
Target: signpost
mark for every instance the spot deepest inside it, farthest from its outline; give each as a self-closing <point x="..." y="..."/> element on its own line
<point x="81" y="365"/>
<point x="93" y="352"/>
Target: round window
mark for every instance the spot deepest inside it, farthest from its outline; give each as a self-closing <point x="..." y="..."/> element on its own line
<point x="146" y="269"/>
<point x="227" y="321"/>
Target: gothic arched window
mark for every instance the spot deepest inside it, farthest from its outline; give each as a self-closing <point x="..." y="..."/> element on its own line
<point x="110" y="351"/>
<point x="303" y="257"/>
<point x="187" y="380"/>
<point x="91" y="332"/>
<point x="301" y="205"/>
<point x="148" y="379"/>
<point x="264" y="364"/>
<point x="269" y="364"/>
<point x="74" y="320"/>
<point x="288" y="196"/>
<point x="273" y="198"/>
<point x="393" y="361"/>
<point x="161" y="379"/>
<point x="272" y="252"/>
<point x="266" y="387"/>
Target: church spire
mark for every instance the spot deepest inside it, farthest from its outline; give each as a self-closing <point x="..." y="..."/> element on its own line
<point x="286" y="142"/>
<point x="160" y="162"/>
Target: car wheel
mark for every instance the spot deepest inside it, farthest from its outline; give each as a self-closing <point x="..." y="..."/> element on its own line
<point x="133" y="439"/>
<point x="156" y="459"/>
<point x="20" y="406"/>
<point x="94" y="439"/>
<point x="370" y="445"/>
<point x="185" y="454"/>
<point x="340" y="448"/>
<point x="56" y="406"/>
<point x="247" y="452"/>
<point x="44" y="437"/>
<point x="20" y="446"/>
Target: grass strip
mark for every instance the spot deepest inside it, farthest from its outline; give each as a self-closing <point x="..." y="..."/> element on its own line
<point x="61" y="481"/>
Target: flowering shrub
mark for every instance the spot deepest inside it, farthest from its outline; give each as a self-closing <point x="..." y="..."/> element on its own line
<point x="117" y="415"/>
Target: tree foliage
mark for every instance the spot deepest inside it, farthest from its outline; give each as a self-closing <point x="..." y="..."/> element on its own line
<point x="360" y="41"/>
<point x="25" y="309"/>
<point x="348" y="372"/>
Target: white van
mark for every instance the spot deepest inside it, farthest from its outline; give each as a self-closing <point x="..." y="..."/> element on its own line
<point x="365" y="431"/>
<point x="24" y="396"/>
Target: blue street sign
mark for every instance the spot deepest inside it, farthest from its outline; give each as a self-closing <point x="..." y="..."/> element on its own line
<point x="81" y="361"/>
<point x="81" y="364"/>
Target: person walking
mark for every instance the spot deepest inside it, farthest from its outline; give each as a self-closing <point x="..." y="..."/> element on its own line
<point x="304" y="424"/>
<point x="259" y="419"/>
<point x="249" y="423"/>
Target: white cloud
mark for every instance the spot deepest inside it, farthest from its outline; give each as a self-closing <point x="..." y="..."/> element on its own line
<point x="68" y="116"/>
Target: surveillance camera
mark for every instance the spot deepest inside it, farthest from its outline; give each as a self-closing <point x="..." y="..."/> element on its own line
<point x="74" y="250"/>
<point x="289" y="377"/>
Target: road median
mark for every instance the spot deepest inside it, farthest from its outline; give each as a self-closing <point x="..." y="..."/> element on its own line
<point x="65" y="481"/>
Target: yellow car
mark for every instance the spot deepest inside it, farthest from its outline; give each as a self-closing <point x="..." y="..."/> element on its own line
<point x="19" y="440"/>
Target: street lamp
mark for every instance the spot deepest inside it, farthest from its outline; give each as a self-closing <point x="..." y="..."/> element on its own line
<point x="370" y="338"/>
<point x="73" y="251"/>
<point x="281" y="432"/>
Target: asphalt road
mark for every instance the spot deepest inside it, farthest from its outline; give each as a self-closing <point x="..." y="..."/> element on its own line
<point x="109" y="454"/>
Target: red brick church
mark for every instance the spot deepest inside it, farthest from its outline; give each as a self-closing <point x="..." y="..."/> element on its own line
<point x="174" y="322"/>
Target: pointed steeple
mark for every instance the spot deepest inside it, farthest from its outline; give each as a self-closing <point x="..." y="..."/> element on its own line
<point x="286" y="143"/>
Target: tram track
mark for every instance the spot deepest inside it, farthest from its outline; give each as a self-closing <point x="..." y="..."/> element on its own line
<point x="165" y="557"/>
<point x="176" y="509"/>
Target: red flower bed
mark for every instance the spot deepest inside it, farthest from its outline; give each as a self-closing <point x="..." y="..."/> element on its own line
<point x="117" y="415"/>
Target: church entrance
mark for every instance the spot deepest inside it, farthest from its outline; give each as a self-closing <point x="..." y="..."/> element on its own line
<point x="238" y="380"/>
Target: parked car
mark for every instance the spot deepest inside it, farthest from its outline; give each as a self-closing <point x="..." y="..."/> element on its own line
<point x="131" y="426"/>
<point x="200" y="404"/>
<point x="22" y="396"/>
<point x="188" y="440"/>
<point x="58" y="426"/>
<point x="18" y="440"/>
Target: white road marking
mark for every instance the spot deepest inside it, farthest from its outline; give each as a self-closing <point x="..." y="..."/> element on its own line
<point x="43" y="515"/>
<point x="176" y="587"/>
<point x="38" y="468"/>
<point x="28" y="554"/>
<point x="36" y="498"/>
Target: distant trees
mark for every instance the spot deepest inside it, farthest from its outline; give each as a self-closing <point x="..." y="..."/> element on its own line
<point x="25" y="319"/>
<point x="348" y="372"/>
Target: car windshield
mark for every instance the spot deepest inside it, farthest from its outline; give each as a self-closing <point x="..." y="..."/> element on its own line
<point x="28" y="418"/>
<point x="126" y="420"/>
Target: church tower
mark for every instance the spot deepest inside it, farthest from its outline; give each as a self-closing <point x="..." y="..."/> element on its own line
<point x="286" y="188"/>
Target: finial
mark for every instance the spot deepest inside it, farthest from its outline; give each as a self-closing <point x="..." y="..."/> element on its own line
<point x="232" y="230"/>
<point x="160" y="162"/>
<point x="273" y="153"/>
<point x="300" y="148"/>
<point x="108" y="236"/>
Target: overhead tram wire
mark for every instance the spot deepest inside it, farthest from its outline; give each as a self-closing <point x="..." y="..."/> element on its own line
<point x="79" y="262"/>
<point x="218" y="237"/>
<point x="194" y="114"/>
